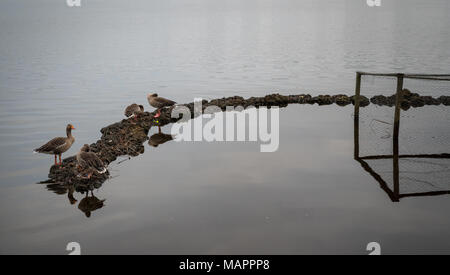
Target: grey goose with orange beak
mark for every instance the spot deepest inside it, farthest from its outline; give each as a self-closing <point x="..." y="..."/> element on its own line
<point x="159" y="102"/>
<point x="58" y="145"/>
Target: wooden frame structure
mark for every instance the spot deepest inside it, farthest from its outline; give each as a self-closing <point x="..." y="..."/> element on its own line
<point x="394" y="194"/>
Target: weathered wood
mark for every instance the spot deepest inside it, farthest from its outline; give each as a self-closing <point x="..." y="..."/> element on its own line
<point x="356" y="114"/>
<point x="398" y="101"/>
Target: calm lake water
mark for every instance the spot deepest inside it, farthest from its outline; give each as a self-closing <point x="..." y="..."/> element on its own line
<point x="83" y="65"/>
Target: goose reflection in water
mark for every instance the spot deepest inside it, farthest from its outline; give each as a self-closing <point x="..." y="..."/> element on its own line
<point x="87" y="205"/>
<point x="90" y="203"/>
<point x="159" y="138"/>
<point x="71" y="190"/>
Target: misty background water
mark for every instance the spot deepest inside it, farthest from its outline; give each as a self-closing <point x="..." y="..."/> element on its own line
<point x="83" y="65"/>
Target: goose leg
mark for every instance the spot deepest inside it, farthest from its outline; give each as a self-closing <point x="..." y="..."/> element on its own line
<point x="159" y="129"/>
<point x="158" y="114"/>
<point x="60" y="161"/>
<point x="70" y="196"/>
<point x="55" y="161"/>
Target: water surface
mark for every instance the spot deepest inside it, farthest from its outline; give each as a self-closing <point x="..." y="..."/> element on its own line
<point x="84" y="65"/>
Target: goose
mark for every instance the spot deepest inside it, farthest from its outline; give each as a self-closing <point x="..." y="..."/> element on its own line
<point x="90" y="161"/>
<point x="58" y="145"/>
<point x="134" y="110"/>
<point x="159" y="102"/>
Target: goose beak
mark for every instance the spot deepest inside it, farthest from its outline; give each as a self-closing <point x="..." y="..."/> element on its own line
<point x="73" y="128"/>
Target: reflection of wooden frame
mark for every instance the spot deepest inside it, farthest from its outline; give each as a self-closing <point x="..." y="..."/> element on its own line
<point x="395" y="194"/>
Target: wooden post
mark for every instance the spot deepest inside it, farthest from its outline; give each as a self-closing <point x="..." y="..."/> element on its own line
<point x="356" y="115"/>
<point x="398" y="102"/>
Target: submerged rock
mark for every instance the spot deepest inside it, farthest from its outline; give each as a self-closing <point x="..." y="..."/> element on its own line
<point x="429" y="100"/>
<point x="323" y="100"/>
<point x="379" y="100"/>
<point x="445" y="100"/>
<point x="363" y="101"/>
<point x="417" y="102"/>
<point x="382" y="100"/>
<point x="342" y="100"/>
<point x="276" y="100"/>
<point x="409" y="99"/>
<point x="405" y="105"/>
<point x="408" y="95"/>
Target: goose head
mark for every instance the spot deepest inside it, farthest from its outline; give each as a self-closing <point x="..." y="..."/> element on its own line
<point x="149" y="96"/>
<point x="85" y="148"/>
<point x="70" y="127"/>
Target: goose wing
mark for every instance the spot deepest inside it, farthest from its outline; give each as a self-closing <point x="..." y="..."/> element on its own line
<point x="130" y="110"/>
<point x="164" y="102"/>
<point x="93" y="161"/>
<point x="52" y="145"/>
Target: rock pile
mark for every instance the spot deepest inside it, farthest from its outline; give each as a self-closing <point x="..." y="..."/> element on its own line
<point x="127" y="136"/>
<point x="410" y="100"/>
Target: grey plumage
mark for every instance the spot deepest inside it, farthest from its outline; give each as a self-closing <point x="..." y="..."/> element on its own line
<point x="89" y="160"/>
<point x="159" y="102"/>
<point x="134" y="110"/>
<point x="58" y="145"/>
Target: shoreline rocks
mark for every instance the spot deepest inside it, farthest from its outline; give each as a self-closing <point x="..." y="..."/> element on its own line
<point x="128" y="137"/>
<point x="410" y="100"/>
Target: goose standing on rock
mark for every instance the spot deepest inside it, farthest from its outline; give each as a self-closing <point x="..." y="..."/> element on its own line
<point x="58" y="145"/>
<point x="159" y="102"/>
<point x="90" y="161"/>
<point x="134" y="110"/>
